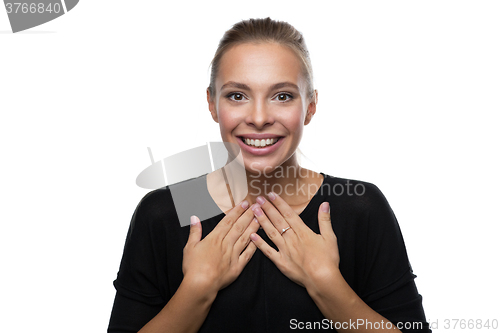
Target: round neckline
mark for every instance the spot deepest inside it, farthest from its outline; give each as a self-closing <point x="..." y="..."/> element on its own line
<point x="316" y="197"/>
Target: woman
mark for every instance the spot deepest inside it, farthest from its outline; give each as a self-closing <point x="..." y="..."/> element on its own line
<point x="298" y="250"/>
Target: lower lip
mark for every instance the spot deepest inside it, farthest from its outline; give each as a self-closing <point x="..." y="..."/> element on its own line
<point x="260" y="151"/>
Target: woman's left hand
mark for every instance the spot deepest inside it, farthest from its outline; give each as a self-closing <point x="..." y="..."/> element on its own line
<point x="304" y="256"/>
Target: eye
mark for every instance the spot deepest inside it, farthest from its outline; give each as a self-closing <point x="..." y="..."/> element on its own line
<point x="235" y="96"/>
<point x="284" y="97"/>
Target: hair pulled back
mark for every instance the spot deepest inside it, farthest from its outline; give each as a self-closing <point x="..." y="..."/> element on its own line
<point x="262" y="31"/>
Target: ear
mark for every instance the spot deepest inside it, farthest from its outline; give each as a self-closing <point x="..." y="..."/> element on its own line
<point x="311" y="108"/>
<point x="211" y="106"/>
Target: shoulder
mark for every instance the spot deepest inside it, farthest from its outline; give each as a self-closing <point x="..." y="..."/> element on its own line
<point x="166" y="203"/>
<point x="360" y="206"/>
<point x="355" y="194"/>
<point x="151" y="210"/>
<point x="155" y="203"/>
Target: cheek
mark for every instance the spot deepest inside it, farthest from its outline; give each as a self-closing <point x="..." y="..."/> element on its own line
<point x="227" y="120"/>
<point x="295" y="119"/>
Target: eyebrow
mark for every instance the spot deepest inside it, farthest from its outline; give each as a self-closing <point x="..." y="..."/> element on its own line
<point x="246" y="87"/>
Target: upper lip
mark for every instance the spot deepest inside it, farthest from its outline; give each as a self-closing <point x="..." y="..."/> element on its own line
<point x="256" y="136"/>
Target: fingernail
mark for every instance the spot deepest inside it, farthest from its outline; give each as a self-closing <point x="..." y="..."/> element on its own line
<point x="253" y="237"/>
<point x="261" y="200"/>
<point x="194" y="220"/>
<point x="244" y="204"/>
<point x="325" y="207"/>
<point x="255" y="220"/>
<point x="256" y="209"/>
<point x="271" y="195"/>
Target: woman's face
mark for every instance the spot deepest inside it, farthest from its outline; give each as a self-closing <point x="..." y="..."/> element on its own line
<point x="261" y="95"/>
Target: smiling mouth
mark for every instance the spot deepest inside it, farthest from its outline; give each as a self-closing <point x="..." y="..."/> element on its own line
<point x="262" y="143"/>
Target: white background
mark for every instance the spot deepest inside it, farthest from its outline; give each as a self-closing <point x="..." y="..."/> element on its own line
<point x="408" y="100"/>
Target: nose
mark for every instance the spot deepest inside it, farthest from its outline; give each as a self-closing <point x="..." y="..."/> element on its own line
<point x="260" y="114"/>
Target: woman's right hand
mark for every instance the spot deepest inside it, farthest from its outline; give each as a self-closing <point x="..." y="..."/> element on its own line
<point x="216" y="261"/>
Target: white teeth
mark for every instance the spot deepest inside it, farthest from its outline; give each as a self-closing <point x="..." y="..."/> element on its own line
<point x="260" y="143"/>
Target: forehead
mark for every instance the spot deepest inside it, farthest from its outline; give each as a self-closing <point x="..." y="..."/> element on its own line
<point x="260" y="65"/>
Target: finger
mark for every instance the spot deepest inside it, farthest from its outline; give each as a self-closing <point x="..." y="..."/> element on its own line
<point x="324" y="220"/>
<point x="265" y="248"/>
<point x="244" y="239"/>
<point x="238" y="229"/>
<point x="246" y="256"/>
<point x="224" y="225"/>
<point x="293" y="220"/>
<point x="194" y="231"/>
<point x="273" y="214"/>
<point x="271" y="231"/>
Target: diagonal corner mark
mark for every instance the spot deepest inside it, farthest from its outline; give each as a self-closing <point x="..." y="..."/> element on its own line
<point x="70" y="4"/>
<point x="31" y="13"/>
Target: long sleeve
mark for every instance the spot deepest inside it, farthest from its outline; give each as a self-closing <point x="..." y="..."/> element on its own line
<point x="385" y="279"/>
<point x="138" y="296"/>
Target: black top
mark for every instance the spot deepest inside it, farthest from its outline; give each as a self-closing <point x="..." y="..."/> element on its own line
<point x="373" y="261"/>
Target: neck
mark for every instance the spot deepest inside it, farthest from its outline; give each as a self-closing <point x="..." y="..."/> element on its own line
<point x="289" y="180"/>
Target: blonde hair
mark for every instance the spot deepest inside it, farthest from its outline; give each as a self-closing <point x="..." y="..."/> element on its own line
<point x="264" y="30"/>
